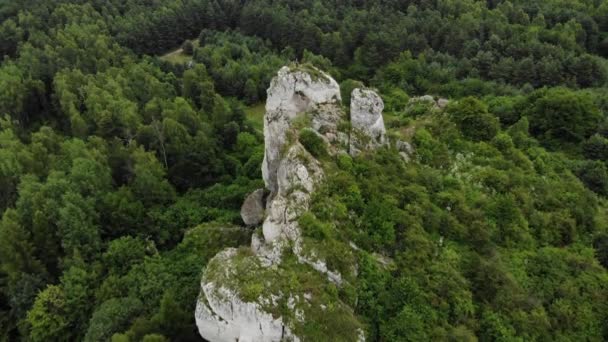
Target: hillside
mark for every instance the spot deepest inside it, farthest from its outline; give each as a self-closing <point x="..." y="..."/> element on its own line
<point x="303" y="170"/>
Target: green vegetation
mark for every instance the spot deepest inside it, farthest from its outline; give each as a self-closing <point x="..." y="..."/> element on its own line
<point x="311" y="295"/>
<point x="313" y="143"/>
<point x="255" y="114"/>
<point x="123" y="167"/>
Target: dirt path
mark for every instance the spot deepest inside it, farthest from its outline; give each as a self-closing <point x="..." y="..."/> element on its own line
<point x="173" y="53"/>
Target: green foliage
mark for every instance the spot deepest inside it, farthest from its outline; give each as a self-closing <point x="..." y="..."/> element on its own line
<point x="473" y="119"/>
<point x="561" y="115"/>
<point x="122" y="174"/>
<point x="313" y="143"/>
<point x="46" y="315"/>
<point x="188" y="47"/>
<point x="596" y="148"/>
<point x="112" y="316"/>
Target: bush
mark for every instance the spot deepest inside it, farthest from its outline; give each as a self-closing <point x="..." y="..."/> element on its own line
<point x="188" y="48"/>
<point x="596" y="148"/>
<point x="345" y="162"/>
<point x="313" y="143"/>
<point x="112" y="316"/>
<point x="595" y="176"/>
<point x="313" y="228"/>
<point x="472" y="116"/>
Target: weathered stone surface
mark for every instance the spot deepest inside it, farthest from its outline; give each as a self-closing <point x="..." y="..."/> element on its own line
<point x="252" y="210"/>
<point x="442" y="103"/>
<point x="367" y="123"/>
<point x="297" y="175"/>
<point x="221" y="316"/>
<point x="292" y="92"/>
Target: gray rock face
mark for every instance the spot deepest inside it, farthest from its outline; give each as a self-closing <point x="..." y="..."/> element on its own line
<point x="291" y="174"/>
<point x="252" y="210"/>
<point x="221" y="316"/>
<point x="295" y="183"/>
<point x="366" y="120"/>
<point x="293" y="92"/>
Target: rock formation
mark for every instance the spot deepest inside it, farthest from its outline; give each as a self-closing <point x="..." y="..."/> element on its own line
<point x="366" y="120"/>
<point x="245" y="292"/>
<point x="291" y="93"/>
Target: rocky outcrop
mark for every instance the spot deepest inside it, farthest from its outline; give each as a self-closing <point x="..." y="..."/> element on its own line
<point x="243" y="291"/>
<point x="296" y="176"/>
<point x="221" y="315"/>
<point x="366" y="120"/>
<point x="252" y="210"/>
<point x="294" y="91"/>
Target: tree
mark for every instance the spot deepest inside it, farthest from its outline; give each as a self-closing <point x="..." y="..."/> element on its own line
<point x="112" y="316"/>
<point x="562" y="115"/>
<point x="473" y="118"/>
<point x="77" y="226"/>
<point x="594" y="175"/>
<point x="596" y="148"/>
<point x="47" y="316"/>
<point x="123" y="253"/>
<point x="188" y="47"/>
<point x="148" y="182"/>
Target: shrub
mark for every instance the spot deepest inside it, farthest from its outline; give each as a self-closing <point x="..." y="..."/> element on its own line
<point x="596" y="148"/>
<point x="313" y="143"/>
<point x="472" y="116"/>
<point x="188" y="48"/>
<point x="594" y="176"/>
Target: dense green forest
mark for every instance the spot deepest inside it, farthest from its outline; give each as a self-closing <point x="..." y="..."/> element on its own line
<point x="121" y="169"/>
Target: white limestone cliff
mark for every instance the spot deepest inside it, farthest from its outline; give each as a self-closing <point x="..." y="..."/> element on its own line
<point x="292" y="92"/>
<point x="299" y="97"/>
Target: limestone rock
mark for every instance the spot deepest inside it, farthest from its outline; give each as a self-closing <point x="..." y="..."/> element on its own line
<point x="404" y="146"/>
<point x="221" y="316"/>
<point x="297" y="174"/>
<point x="367" y="124"/>
<point x="294" y="91"/>
<point x="252" y="210"/>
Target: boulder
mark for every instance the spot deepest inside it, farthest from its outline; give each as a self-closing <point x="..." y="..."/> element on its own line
<point x="252" y="210"/>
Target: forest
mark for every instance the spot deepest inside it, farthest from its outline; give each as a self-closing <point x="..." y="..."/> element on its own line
<point x="119" y="166"/>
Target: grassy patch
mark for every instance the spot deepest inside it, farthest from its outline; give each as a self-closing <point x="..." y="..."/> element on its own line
<point x="255" y="115"/>
<point x="178" y="56"/>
